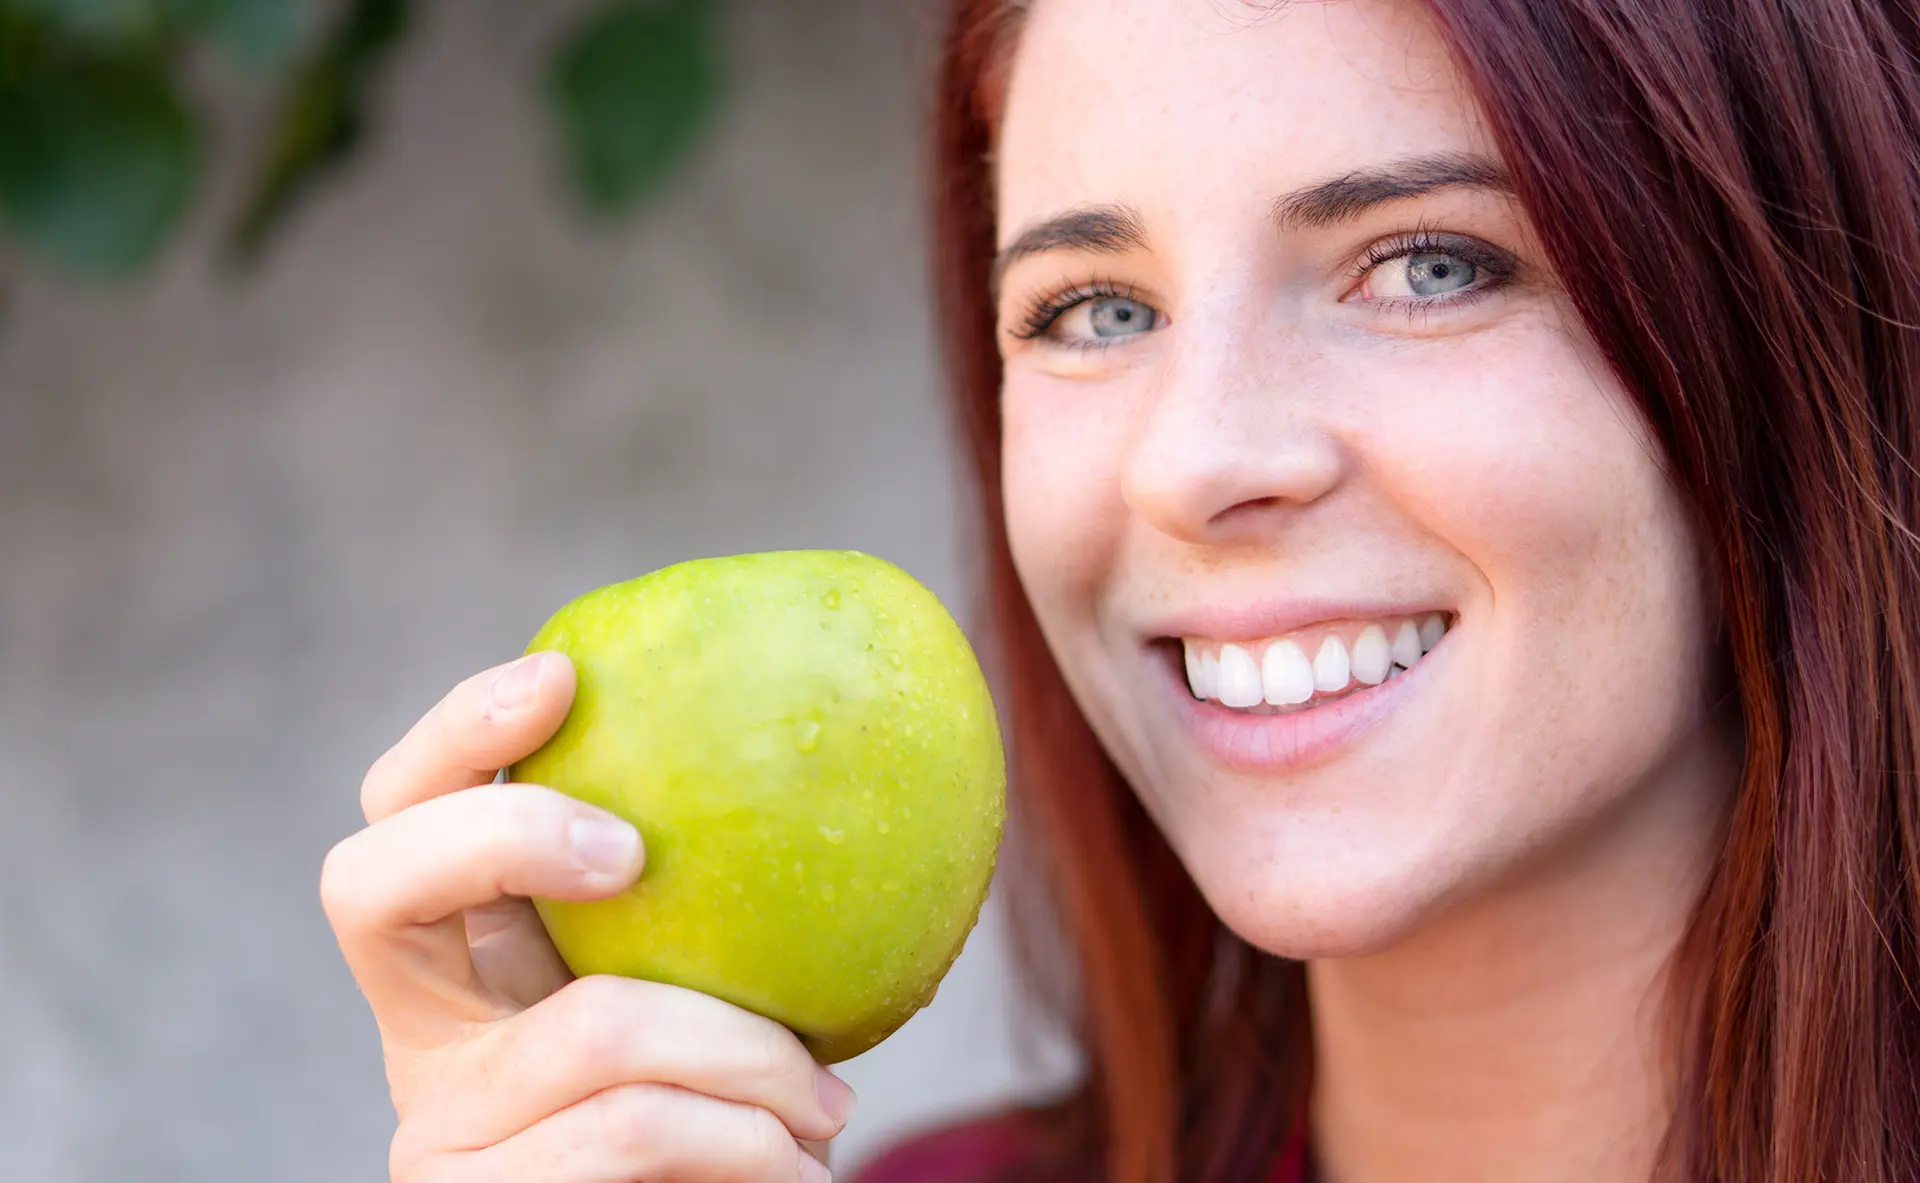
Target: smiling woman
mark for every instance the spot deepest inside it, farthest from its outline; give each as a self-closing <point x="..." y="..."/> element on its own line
<point x="1450" y="475"/>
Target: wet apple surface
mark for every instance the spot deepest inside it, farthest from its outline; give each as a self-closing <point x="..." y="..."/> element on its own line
<point x="809" y="750"/>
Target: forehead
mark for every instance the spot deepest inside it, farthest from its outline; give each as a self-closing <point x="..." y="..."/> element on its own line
<point x="1176" y="106"/>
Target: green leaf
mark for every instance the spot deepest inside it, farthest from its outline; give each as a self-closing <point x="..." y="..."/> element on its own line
<point x="98" y="161"/>
<point x="259" y="34"/>
<point x="112" y="24"/>
<point x="322" y="114"/>
<point x="631" y="88"/>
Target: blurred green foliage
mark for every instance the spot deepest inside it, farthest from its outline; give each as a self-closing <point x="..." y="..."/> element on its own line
<point x="101" y="147"/>
<point x="631" y="89"/>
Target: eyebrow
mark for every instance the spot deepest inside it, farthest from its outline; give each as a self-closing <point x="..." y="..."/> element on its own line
<point x="1345" y="198"/>
<point x="1101" y="230"/>
<point x="1115" y="229"/>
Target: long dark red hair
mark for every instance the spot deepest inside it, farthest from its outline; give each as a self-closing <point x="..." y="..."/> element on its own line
<point x="1760" y="161"/>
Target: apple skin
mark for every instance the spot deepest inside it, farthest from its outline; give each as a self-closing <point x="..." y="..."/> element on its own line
<point x="810" y="752"/>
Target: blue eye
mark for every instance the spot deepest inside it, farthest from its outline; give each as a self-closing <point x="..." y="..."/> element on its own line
<point x="1099" y="319"/>
<point x="1435" y="274"/>
<point x="1117" y="316"/>
<point x="1088" y="316"/>
<point x="1429" y="271"/>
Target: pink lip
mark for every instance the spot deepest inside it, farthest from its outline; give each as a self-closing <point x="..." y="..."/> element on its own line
<point x="1269" y="743"/>
<point x="1260" y="619"/>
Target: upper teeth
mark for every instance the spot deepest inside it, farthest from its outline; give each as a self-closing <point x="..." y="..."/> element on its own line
<point x="1289" y="670"/>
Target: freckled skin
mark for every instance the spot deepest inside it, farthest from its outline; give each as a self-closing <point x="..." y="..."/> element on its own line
<point x="1278" y="435"/>
<point x="807" y="746"/>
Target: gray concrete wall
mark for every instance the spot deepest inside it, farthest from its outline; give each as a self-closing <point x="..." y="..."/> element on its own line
<point x="249" y="531"/>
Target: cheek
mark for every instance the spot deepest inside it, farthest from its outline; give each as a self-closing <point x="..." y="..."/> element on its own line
<point x="1590" y="654"/>
<point x="1060" y="480"/>
<point x="1522" y="454"/>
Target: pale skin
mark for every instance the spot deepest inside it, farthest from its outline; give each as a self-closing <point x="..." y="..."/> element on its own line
<point x="1227" y="409"/>
<point x="1226" y="413"/>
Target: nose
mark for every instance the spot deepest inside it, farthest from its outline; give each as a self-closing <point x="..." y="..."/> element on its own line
<point x="1233" y="439"/>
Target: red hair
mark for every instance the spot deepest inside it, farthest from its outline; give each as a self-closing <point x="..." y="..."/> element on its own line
<point x="1763" y="159"/>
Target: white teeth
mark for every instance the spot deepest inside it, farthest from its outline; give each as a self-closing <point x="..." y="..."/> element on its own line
<point x="1286" y="674"/>
<point x="1194" y="683"/>
<point x="1371" y="656"/>
<point x="1331" y="669"/>
<point x="1406" y="645"/>
<point x="1239" y="678"/>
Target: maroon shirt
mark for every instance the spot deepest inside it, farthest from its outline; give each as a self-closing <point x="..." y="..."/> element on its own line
<point x="967" y="1153"/>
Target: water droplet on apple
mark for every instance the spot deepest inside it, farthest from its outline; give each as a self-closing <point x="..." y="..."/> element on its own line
<point x="832" y="835"/>
<point x="806" y="736"/>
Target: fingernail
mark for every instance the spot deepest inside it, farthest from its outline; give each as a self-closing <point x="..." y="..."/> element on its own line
<point x="514" y="686"/>
<point x="811" y="1170"/>
<point x="835" y="1097"/>
<point x="604" y="844"/>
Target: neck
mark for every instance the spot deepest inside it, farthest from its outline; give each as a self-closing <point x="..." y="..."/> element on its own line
<point x="1523" y="1035"/>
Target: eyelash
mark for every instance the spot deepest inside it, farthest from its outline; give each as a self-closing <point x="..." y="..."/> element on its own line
<point x="1041" y="315"/>
<point x="1423" y="239"/>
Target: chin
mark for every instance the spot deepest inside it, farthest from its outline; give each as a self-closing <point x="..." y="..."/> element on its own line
<point x="1321" y="910"/>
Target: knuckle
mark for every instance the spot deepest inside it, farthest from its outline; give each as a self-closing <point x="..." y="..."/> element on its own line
<point x="407" y="1160"/>
<point x="453" y="720"/>
<point x="509" y="821"/>
<point x="766" y="1144"/>
<point x="342" y="890"/>
<point x="373" y="786"/>
<point x="630" y="1121"/>
<point x="495" y="828"/>
<point x="773" y="1053"/>
<point x="587" y="1016"/>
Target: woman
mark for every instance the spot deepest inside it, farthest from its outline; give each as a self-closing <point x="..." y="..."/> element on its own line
<point x="1450" y="496"/>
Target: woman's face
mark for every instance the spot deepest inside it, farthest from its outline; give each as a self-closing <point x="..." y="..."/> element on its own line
<point x="1293" y="404"/>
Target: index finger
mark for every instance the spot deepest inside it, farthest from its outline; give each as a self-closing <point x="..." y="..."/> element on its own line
<point x="485" y="723"/>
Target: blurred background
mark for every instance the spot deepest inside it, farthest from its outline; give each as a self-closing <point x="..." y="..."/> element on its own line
<point x="340" y="343"/>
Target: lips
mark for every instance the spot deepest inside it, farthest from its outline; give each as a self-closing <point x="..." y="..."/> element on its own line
<point x="1222" y="658"/>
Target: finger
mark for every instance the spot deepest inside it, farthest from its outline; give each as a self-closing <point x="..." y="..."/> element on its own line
<point x="395" y="891"/>
<point x="482" y="725"/>
<point x="600" y="1032"/>
<point x="650" y="1132"/>
<point x="512" y="952"/>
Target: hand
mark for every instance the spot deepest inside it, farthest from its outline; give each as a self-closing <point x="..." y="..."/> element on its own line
<point x="503" y="1068"/>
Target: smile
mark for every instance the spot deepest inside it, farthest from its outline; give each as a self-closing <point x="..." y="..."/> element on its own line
<point x="1298" y="698"/>
<point x="1305" y="669"/>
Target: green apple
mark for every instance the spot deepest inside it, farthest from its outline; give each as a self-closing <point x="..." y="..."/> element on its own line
<point x="808" y="748"/>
